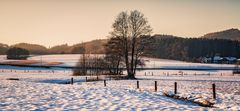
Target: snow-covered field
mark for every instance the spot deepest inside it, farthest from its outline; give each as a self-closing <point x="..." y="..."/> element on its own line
<point x="72" y="59"/>
<point x="44" y="89"/>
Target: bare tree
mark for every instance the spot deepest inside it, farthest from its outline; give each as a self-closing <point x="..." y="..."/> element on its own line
<point x="89" y="64"/>
<point x="114" y="56"/>
<point x="81" y="66"/>
<point x="130" y="29"/>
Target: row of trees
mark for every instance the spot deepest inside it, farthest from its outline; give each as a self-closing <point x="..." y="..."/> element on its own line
<point x="89" y="64"/>
<point x="192" y="49"/>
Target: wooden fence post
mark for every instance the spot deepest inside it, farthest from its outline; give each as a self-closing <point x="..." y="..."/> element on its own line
<point x="137" y="84"/>
<point x="105" y="83"/>
<point x="175" y="87"/>
<point x="214" y="91"/>
<point x="72" y="81"/>
<point x="155" y="86"/>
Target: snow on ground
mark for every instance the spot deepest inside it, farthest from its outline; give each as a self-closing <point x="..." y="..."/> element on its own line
<point x="34" y="96"/>
<point x="44" y="91"/>
<point x="45" y="88"/>
<point x="72" y="59"/>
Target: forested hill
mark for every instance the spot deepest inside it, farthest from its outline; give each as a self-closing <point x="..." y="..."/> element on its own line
<point x="192" y="49"/>
<point x="32" y="48"/>
<point x="94" y="47"/>
<point x="224" y="43"/>
<point x="230" y="34"/>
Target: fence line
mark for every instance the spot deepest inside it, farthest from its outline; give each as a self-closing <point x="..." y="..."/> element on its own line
<point x="175" y="86"/>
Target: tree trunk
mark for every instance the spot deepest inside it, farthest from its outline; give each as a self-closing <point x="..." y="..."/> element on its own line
<point x="126" y="57"/>
<point x="118" y="62"/>
<point x="132" y="57"/>
<point x="135" y="64"/>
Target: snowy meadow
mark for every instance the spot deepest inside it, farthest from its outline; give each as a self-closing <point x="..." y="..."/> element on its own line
<point x="46" y="89"/>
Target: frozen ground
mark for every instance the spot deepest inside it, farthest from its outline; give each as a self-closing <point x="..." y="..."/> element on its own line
<point x="43" y="90"/>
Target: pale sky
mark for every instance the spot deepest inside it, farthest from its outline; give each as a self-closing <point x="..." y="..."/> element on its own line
<point x="52" y="22"/>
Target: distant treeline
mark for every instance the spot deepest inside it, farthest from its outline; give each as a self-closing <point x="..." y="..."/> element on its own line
<point x="192" y="49"/>
<point x="92" y="47"/>
<point x="163" y="46"/>
<point x="3" y="49"/>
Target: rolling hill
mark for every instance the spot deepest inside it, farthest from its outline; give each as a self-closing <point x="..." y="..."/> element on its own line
<point x="230" y="34"/>
<point x="97" y="46"/>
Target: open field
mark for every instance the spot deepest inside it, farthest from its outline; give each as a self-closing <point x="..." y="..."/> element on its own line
<point x="46" y="91"/>
<point x="46" y="88"/>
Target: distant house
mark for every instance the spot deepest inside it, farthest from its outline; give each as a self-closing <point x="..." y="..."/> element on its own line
<point x="232" y="60"/>
<point x="206" y="60"/>
<point x="217" y="59"/>
<point x="220" y="60"/>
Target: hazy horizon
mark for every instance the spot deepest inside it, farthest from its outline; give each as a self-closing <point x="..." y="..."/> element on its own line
<point x="54" y="22"/>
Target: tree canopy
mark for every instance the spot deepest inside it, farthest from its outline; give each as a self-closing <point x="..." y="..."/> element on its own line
<point x="17" y="53"/>
<point x="128" y="28"/>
